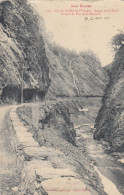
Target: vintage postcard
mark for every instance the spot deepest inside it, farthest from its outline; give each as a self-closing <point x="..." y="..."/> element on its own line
<point x="61" y="97"/>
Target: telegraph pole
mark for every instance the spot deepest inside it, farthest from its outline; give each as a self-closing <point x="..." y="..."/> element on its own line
<point x="22" y="85"/>
<point x="22" y="82"/>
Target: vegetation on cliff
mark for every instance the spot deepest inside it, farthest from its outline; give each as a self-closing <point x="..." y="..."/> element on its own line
<point x="110" y="120"/>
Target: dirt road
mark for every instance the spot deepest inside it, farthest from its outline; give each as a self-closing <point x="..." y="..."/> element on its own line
<point x="10" y="162"/>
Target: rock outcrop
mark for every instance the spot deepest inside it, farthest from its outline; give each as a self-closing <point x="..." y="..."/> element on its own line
<point x="110" y="119"/>
<point x="51" y="116"/>
<point x="28" y="59"/>
<point x="74" y="75"/>
<point x="23" y="61"/>
<point x="108" y="68"/>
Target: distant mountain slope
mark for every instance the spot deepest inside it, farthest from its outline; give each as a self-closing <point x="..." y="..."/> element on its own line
<point x="108" y="68"/>
<point x="74" y="75"/>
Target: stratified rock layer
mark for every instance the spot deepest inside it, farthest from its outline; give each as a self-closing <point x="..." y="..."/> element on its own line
<point x="72" y="74"/>
<point x="75" y="76"/>
<point x="110" y="120"/>
<point x="52" y="116"/>
<point x="22" y="53"/>
<point x="28" y="59"/>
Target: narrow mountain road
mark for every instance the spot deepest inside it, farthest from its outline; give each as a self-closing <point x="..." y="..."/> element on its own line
<point x="44" y="171"/>
<point x="4" y="155"/>
<point x="110" y="171"/>
<point x="10" y="163"/>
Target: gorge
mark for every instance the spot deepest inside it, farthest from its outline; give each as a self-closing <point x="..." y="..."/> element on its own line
<point x="49" y="138"/>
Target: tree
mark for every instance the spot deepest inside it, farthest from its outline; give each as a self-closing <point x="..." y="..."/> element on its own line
<point x="118" y="40"/>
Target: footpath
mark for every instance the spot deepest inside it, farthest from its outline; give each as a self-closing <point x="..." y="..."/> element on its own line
<point x="40" y="175"/>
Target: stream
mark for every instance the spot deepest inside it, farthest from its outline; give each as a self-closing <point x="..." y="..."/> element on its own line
<point x="109" y="169"/>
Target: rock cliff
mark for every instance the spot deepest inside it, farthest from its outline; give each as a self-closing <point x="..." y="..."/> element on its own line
<point x="49" y="117"/>
<point x="28" y="59"/>
<point x="74" y="75"/>
<point x="110" y="119"/>
<point x="23" y="61"/>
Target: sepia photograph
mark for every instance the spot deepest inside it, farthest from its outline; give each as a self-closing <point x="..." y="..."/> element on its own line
<point x="61" y="97"/>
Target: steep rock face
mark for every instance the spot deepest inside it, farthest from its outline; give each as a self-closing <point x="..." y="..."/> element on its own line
<point x="72" y="74"/>
<point x="75" y="76"/>
<point x="53" y="117"/>
<point x="108" y="68"/>
<point x="110" y="120"/>
<point x="26" y="58"/>
<point x="22" y="53"/>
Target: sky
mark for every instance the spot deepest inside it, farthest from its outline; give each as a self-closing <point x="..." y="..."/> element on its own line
<point x="75" y="32"/>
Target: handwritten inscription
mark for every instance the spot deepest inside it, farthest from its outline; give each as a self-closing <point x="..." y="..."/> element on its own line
<point x="96" y="18"/>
